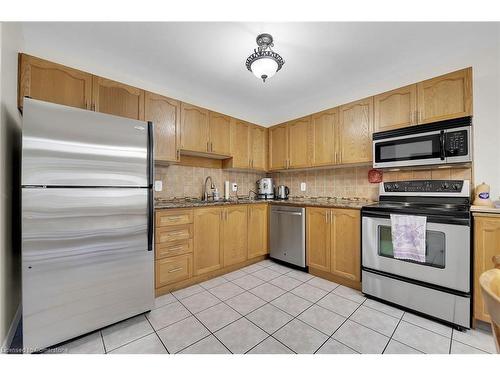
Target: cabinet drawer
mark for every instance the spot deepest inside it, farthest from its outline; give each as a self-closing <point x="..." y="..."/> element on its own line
<point x="171" y="270"/>
<point x="173" y="248"/>
<point x="175" y="233"/>
<point x="167" y="218"/>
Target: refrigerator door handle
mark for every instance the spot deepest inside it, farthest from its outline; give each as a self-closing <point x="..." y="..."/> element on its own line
<point x="150" y="219"/>
<point x="150" y="154"/>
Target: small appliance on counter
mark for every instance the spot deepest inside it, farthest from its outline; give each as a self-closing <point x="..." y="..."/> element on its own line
<point x="265" y="188"/>
<point x="282" y="192"/>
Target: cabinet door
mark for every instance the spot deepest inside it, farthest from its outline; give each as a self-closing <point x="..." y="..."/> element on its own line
<point x="257" y="229"/>
<point x="318" y="238"/>
<point x="258" y="149"/>
<point x="355" y="131"/>
<point x="395" y="109"/>
<point x="165" y="115"/>
<point x="486" y="245"/>
<point x="207" y="245"/>
<point x="278" y="147"/>
<point x="194" y="128"/>
<point x="51" y="82"/>
<point x="235" y="234"/>
<point x="299" y="143"/>
<point x="240" y="144"/>
<point x="117" y="98"/>
<point x="445" y="97"/>
<point x="345" y="244"/>
<point x="323" y="134"/>
<point x="219" y="129"/>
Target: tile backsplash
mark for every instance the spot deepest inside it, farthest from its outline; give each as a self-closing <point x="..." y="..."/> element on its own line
<point x="350" y="182"/>
<point x="346" y="182"/>
<point x="186" y="181"/>
<point x="353" y="182"/>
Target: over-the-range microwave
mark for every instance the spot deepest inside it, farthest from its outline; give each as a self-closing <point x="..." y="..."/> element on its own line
<point x="443" y="142"/>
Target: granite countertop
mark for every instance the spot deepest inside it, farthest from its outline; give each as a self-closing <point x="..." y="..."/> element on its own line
<point x="295" y="201"/>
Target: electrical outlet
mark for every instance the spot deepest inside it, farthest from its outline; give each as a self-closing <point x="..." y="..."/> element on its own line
<point x="234" y="187"/>
<point x="302" y="186"/>
<point x="158" y="185"/>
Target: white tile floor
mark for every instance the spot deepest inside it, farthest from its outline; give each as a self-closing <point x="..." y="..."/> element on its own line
<point x="269" y="308"/>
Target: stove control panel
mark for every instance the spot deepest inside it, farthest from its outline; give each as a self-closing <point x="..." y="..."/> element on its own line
<point x="424" y="186"/>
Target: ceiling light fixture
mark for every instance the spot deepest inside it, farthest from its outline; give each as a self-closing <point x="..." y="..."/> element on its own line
<point x="264" y="62"/>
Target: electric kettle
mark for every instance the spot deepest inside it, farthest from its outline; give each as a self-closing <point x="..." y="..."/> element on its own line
<point x="282" y="192"/>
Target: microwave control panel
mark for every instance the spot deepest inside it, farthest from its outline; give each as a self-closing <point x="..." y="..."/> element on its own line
<point x="456" y="143"/>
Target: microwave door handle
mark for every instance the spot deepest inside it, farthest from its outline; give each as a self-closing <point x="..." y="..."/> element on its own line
<point x="442" y="139"/>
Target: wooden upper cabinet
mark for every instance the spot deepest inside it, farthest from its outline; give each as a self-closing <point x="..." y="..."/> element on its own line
<point x="258" y="148"/>
<point x="194" y="128"/>
<point x="345" y="242"/>
<point x="219" y="133"/>
<point x="445" y="97"/>
<point x="395" y="109"/>
<point x="258" y="230"/>
<point x="299" y="143"/>
<point x="318" y="238"/>
<point x="164" y="113"/>
<point x="51" y="82"/>
<point x="235" y="234"/>
<point x="207" y="252"/>
<point x="324" y="138"/>
<point x="240" y="144"/>
<point x="278" y="147"/>
<point x="486" y="245"/>
<point x="117" y="99"/>
<point x="355" y="131"/>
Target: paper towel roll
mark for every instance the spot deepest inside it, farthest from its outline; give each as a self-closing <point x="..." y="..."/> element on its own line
<point x="226" y="190"/>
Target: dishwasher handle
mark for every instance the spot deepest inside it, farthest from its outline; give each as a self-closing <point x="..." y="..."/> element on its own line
<point x="293" y="213"/>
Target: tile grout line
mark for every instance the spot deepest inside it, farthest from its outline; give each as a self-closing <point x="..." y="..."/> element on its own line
<point x="451" y="340"/>
<point x="211" y="333"/>
<point x="331" y="336"/>
<point x="156" y="333"/>
<point x="103" y="343"/>
<point x="393" y="332"/>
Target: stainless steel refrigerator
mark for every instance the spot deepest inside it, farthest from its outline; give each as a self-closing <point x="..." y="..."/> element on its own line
<point x="87" y="221"/>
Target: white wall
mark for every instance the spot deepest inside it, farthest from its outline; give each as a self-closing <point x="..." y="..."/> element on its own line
<point x="11" y="42"/>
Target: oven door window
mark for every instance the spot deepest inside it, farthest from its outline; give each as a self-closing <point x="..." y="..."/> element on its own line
<point x="413" y="148"/>
<point x="435" y="247"/>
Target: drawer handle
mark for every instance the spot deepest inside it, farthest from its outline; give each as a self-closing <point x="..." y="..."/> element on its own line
<point x="173" y="218"/>
<point x="175" y="269"/>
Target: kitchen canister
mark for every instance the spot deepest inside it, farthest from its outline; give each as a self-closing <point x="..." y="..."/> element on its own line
<point x="482" y="196"/>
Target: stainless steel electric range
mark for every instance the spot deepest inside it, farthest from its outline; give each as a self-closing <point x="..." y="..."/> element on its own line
<point x="440" y="287"/>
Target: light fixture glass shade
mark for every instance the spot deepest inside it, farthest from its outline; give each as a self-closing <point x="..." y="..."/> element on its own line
<point x="264" y="68"/>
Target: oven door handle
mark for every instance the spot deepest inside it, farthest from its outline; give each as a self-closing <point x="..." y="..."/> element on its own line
<point x="440" y="219"/>
<point x="442" y="138"/>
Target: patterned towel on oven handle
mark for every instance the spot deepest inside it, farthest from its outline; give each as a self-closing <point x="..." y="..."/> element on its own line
<point x="408" y="237"/>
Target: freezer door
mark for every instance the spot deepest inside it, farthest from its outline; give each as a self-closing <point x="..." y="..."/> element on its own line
<point x="65" y="146"/>
<point x="85" y="261"/>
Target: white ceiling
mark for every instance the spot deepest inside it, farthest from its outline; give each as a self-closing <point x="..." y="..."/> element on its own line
<point x="326" y="64"/>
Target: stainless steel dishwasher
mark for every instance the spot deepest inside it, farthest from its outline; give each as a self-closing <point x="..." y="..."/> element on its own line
<point x="288" y="235"/>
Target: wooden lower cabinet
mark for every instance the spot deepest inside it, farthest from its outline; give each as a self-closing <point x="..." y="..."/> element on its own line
<point x="486" y="245"/>
<point x="173" y="269"/>
<point x="258" y="222"/>
<point x="235" y="234"/>
<point x="318" y="238"/>
<point x="345" y="241"/>
<point x="208" y="252"/>
<point x="333" y="244"/>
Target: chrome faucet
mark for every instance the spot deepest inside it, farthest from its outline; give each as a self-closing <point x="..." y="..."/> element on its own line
<point x="212" y="186"/>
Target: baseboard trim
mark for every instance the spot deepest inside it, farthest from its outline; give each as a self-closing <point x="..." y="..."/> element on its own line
<point x="12" y="329"/>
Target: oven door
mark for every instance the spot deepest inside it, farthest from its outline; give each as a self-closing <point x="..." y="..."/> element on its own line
<point x="409" y="150"/>
<point x="447" y="252"/>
